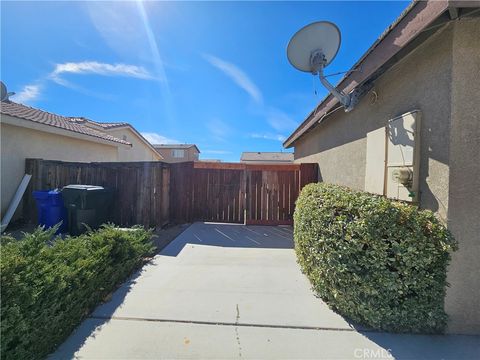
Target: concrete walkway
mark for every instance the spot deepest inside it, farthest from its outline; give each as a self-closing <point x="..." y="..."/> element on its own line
<point x="235" y="292"/>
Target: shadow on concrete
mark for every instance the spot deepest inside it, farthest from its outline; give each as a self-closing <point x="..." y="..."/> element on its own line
<point x="93" y="325"/>
<point x="232" y="235"/>
<point x="398" y="346"/>
<point x="213" y="234"/>
<point x="419" y="347"/>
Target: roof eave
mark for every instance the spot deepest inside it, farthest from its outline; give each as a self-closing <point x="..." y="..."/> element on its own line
<point x="26" y="123"/>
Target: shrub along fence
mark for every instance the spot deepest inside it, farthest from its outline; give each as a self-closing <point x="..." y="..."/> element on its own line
<point x="155" y="193"/>
<point x="48" y="287"/>
<point x="379" y="262"/>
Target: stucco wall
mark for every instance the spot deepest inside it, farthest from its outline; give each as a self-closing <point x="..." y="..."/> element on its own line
<point x="441" y="79"/>
<point x="139" y="150"/>
<point x="19" y="143"/>
<point x="420" y="81"/>
<point x="463" y="297"/>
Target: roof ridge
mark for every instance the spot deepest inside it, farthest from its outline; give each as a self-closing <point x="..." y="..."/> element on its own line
<point x="43" y="117"/>
<point x="36" y="109"/>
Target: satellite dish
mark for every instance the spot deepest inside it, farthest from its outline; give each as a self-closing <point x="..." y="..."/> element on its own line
<point x="4" y="94"/>
<point x="321" y="37"/>
<point x="3" y="91"/>
<point x="312" y="48"/>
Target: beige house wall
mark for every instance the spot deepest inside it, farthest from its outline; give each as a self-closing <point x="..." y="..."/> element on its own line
<point x="449" y="168"/>
<point x="139" y="151"/>
<point x="19" y="143"/>
<point x="463" y="297"/>
<point x="191" y="154"/>
<point x="421" y="81"/>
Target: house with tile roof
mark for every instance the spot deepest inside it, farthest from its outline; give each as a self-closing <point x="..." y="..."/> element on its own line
<point x="175" y="153"/>
<point x="28" y="132"/>
<point x="141" y="149"/>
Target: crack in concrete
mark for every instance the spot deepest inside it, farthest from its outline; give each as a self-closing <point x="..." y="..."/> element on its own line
<point x="237" y="334"/>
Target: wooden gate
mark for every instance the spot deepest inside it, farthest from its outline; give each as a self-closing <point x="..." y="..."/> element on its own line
<point x="156" y="193"/>
<point x="237" y="192"/>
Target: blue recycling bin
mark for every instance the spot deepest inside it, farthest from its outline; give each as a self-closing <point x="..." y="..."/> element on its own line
<point x="51" y="210"/>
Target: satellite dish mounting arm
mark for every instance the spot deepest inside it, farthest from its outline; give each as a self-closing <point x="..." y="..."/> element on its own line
<point x="317" y="62"/>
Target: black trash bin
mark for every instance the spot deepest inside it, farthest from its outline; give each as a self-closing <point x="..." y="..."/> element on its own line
<point x="87" y="204"/>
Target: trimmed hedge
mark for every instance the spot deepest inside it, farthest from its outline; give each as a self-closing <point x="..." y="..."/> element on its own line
<point x="378" y="262"/>
<point x="49" y="285"/>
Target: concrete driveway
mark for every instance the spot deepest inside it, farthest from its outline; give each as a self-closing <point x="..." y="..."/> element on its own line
<point x="223" y="291"/>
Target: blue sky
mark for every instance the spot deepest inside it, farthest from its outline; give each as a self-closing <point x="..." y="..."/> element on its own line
<point x="210" y="73"/>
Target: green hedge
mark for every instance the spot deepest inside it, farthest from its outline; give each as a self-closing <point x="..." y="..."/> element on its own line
<point x="378" y="262"/>
<point x="49" y="285"/>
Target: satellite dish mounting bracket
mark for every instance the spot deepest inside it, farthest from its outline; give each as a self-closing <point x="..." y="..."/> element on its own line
<point x="318" y="62"/>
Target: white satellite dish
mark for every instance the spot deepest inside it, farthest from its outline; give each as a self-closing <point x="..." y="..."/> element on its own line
<point x="4" y="94"/>
<point x="322" y="37"/>
<point x="3" y="91"/>
<point x="312" y="48"/>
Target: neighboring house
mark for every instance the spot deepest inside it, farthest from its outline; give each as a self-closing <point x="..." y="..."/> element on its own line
<point x="421" y="112"/>
<point x="141" y="149"/>
<point x="27" y="132"/>
<point x="266" y="157"/>
<point x="174" y="153"/>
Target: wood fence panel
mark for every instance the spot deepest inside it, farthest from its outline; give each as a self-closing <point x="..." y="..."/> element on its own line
<point x="134" y="182"/>
<point x="155" y="193"/>
<point x="272" y="195"/>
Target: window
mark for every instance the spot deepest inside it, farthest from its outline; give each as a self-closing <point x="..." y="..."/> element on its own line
<point x="176" y="153"/>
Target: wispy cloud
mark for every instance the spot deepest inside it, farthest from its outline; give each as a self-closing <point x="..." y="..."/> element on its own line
<point x="268" y="136"/>
<point x="155" y="138"/>
<point x="276" y="118"/>
<point x="279" y="120"/>
<point x="28" y="93"/>
<point x="126" y="29"/>
<point x="238" y="76"/>
<point x="98" y="68"/>
<point x="218" y="129"/>
<point x="31" y="92"/>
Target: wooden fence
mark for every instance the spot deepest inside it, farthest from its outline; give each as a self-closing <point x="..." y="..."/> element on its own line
<point x="142" y="188"/>
<point x="237" y="192"/>
<point x="155" y="193"/>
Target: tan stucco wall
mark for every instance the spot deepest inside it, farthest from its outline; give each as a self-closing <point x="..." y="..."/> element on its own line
<point x="420" y="81"/>
<point x="449" y="167"/>
<point x="191" y="154"/>
<point x="139" y="150"/>
<point x="19" y="143"/>
<point x="463" y="297"/>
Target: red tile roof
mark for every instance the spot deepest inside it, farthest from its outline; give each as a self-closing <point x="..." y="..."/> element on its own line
<point x="43" y="117"/>
<point x="109" y="125"/>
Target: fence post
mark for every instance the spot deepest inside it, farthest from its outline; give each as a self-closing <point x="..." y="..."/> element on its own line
<point x="244" y="193"/>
